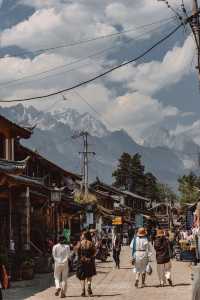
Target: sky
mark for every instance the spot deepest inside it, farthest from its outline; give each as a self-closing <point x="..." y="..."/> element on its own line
<point x="161" y="89"/>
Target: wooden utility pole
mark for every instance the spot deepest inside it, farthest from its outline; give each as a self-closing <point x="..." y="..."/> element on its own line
<point x="85" y="153"/>
<point x="195" y="25"/>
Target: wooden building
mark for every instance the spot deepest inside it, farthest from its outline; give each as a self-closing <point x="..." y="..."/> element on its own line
<point x="36" y="196"/>
<point x="112" y="202"/>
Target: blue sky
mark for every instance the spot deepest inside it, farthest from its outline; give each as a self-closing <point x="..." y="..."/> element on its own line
<point x="161" y="90"/>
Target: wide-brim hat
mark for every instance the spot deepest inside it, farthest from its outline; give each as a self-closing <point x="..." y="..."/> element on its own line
<point x="160" y="232"/>
<point x="141" y="232"/>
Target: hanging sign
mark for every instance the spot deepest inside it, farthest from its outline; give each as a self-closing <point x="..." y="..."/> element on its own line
<point x="117" y="221"/>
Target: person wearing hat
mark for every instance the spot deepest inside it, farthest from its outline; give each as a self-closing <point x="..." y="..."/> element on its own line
<point x="61" y="253"/>
<point x="162" y="247"/>
<point x="140" y="253"/>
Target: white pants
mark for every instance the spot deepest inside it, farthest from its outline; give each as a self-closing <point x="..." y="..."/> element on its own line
<point x="164" y="271"/>
<point x="61" y="275"/>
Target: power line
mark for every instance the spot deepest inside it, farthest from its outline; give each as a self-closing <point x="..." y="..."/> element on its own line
<point x="91" y="107"/>
<point x="100" y="75"/>
<point x="91" y="39"/>
<point x="96" y="54"/>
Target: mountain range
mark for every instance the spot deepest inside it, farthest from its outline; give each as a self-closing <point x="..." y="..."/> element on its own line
<point x="166" y="155"/>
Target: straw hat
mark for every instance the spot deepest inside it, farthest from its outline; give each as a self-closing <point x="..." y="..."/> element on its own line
<point x="160" y="232"/>
<point x="141" y="232"/>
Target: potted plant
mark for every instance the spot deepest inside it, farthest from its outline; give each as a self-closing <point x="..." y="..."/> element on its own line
<point x="27" y="269"/>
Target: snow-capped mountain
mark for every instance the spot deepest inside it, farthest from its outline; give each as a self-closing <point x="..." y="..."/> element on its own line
<point x="182" y="143"/>
<point x="52" y="138"/>
<point x="30" y="116"/>
<point x="78" y="122"/>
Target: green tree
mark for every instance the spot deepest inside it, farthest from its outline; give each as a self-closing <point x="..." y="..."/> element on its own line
<point x="122" y="173"/>
<point x="137" y="177"/>
<point x="166" y="194"/>
<point x="151" y="187"/>
<point x="188" y="188"/>
<point x="129" y="174"/>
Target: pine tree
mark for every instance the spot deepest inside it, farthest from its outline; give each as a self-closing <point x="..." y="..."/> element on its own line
<point x="122" y="173"/>
<point x="151" y="187"/>
<point x="137" y="184"/>
<point x="188" y="188"/>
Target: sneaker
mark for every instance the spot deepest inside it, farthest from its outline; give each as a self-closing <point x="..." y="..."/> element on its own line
<point x="57" y="292"/>
<point x="83" y="293"/>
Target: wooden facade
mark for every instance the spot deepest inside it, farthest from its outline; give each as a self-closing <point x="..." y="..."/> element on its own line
<point x="27" y="180"/>
<point x="113" y="202"/>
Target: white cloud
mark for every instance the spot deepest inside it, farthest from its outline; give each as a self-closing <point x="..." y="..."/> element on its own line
<point x="57" y="22"/>
<point x="135" y="112"/>
<point x="191" y="130"/>
<point x="153" y="76"/>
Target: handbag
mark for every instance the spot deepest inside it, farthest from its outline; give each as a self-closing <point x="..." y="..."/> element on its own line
<point x="149" y="269"/>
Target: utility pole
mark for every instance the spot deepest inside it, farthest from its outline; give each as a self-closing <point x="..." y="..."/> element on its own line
<point x="195" y="26"/>
<point x="85" y="153"/>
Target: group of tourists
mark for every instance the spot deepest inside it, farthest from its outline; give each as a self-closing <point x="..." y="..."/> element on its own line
<point x="142" y="253"/>
<point x="86" y="268"/>
<point x="141" y="247"/>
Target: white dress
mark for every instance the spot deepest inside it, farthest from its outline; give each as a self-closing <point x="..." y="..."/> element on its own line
<point x="142" y="254"/>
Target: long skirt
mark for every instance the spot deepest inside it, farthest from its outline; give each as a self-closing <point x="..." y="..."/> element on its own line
<point x="164" y="272"/>
<point x="141" y="263"/>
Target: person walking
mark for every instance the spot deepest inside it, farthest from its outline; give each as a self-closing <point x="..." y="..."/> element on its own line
<point x="4" y="280"/>
<point x="86" y="262"/>
<point x="140" y="253"/>
<point x="61" y="253"/>
<point x="1" y="282"/>
<point x="116" y="251"/>
<point x="162" y="247"/>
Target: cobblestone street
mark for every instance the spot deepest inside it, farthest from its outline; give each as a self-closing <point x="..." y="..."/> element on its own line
<point x="111" y="284"/>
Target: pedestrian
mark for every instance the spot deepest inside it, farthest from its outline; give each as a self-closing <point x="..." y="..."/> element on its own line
<point x="86" y="262"/>
<point x="1" y="282"/>
<point x="61" y="254"/>
<point x="153" y="235"/>
<point x="4" y="280"/>
<point x="140" y="253"/>
<point x="162" y="247"/>
<point x="117" y="251"/>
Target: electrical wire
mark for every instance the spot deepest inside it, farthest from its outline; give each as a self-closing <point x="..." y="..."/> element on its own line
<point x="100" y="75"/>
<point x="95" y="54"/>
<point x="91" y="107"/>
<point x="77" y="43"/>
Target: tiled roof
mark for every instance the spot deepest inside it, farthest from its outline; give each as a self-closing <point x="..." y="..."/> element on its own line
<point x="13" y="166"/>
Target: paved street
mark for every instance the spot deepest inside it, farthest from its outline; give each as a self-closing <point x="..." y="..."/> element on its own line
<point x="112" y="284"/>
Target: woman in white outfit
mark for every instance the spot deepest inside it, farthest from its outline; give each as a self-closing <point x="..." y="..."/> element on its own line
<point x="61" y="253"/>
<point x="140" y="253"/>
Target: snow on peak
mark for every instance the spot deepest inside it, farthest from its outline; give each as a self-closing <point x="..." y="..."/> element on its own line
<point x="29" y="116"/>
<point x="79" y="122"/>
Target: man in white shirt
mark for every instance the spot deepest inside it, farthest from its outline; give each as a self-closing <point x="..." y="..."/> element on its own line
<point x="61" y="253"/>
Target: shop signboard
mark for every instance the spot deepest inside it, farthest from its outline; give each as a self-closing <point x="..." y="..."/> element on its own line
<point x="117" y="221"/>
